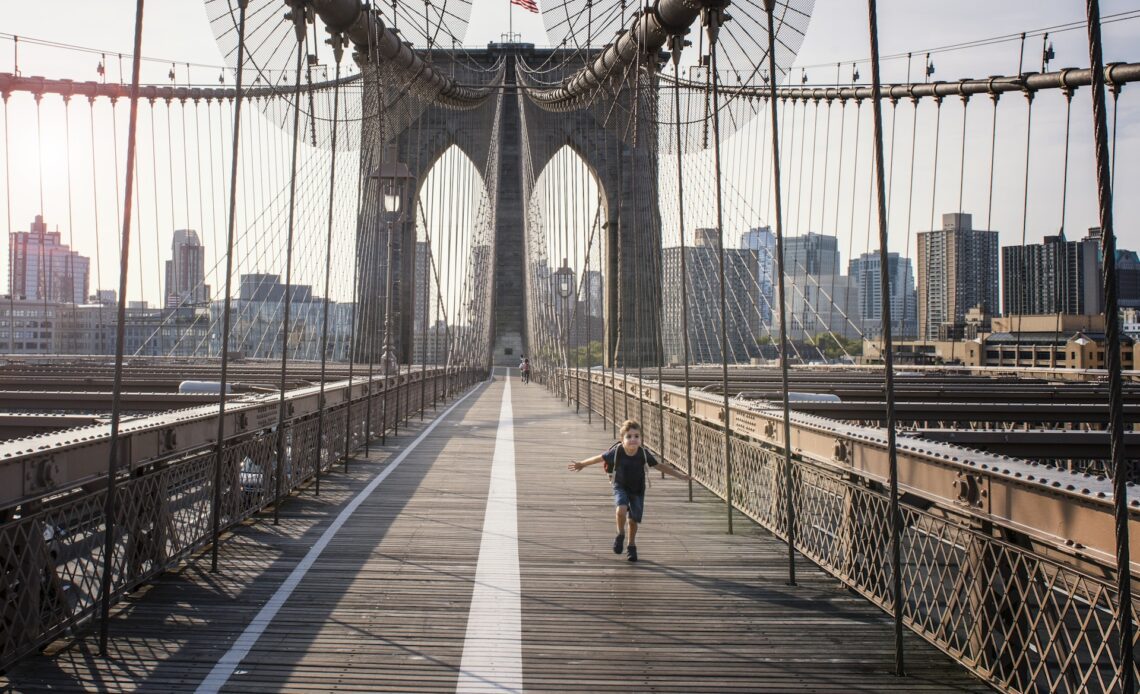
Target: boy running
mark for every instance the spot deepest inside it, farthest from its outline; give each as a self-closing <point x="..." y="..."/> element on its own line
<point x="626" y="463"/>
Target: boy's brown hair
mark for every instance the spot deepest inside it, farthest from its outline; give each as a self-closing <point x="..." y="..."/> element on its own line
<point x="629" y="425"/>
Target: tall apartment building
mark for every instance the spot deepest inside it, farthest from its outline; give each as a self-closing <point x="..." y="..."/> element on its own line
<point x="40" y="268"/>
<point x="1056" y="276"/>
<point x="186" y="271"/>
<point x="865" y="274"/>
<point x="1127" y="278"/>
<point x="702" y="265"/>
<point x="957" y="270"/>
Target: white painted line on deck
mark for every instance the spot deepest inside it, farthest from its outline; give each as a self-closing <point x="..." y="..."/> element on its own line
<point x="229" y="662"/>
<point x="492" y="648"/>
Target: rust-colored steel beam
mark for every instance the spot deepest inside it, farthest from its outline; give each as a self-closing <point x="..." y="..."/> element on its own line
<point x="39" y="466"/>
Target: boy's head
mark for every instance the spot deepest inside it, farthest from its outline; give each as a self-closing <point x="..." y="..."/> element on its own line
<point x="630" y="435"/>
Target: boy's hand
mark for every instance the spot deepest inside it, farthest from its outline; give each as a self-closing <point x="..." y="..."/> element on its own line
<point x="575" y="466"/>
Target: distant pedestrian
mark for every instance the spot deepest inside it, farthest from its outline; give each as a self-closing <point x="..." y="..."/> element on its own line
<point x="524" y="368"/>
<point x="626" y="464"/>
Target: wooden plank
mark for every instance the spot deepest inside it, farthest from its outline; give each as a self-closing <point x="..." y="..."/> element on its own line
<point x="385" y="607"/>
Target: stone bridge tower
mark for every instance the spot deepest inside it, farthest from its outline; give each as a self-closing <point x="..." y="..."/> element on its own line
<point x="625" y="174"/>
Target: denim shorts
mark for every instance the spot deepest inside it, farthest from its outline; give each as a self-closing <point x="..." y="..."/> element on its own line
<point x="635" y="502"/>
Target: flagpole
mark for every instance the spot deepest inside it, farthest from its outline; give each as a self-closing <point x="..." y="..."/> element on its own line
<point x="510" y="22"/>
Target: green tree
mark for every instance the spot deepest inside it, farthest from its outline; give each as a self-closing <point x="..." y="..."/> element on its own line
<point x="834" y="346"/>
<point x="588" y="355"/>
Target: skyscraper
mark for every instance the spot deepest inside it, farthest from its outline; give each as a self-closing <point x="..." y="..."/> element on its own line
<point x="865" y="273"/>
<point x="43" y="269"/>
<point x="186" y="271"/>
<point x="811" y="254"/>
<point x="957" y="270"/>
<point x="423" y="300"/>
<point x="763" y="242"/>
<point x="594" y="292"/>
<point x="820" y="299"/>
<point x="702" y="265"/>
<point x="1056" y="276"/>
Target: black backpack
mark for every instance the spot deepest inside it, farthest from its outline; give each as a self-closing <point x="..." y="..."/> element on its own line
<point x="611" y="469"/>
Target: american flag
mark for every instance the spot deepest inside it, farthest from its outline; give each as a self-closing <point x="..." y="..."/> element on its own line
<point x="530" y="5"/>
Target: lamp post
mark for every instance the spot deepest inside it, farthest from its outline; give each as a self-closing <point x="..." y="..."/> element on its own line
<point x="392" y="179"/>
<point x="564" y="285"/>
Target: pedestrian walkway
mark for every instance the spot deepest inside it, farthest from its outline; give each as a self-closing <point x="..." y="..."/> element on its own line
<point x="463" y="556"/>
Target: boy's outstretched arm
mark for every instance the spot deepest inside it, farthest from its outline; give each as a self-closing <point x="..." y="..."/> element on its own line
<point x="668" y="469"/>
<point x="578" y="465"/>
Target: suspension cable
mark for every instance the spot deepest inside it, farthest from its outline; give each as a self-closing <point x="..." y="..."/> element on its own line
<point x="338" y="52"/>
<point x="219" y="449"/>
<point x="789" y="508"/>
<point x="1126" y="669"/>
<point x="109" y="508"/>
<point x="888" y="357"/>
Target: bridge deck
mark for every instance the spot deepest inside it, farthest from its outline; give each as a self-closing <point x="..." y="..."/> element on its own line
<point x="386" y="605"/>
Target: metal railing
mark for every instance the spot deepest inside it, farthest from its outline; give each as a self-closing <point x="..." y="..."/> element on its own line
<point x="1025" y="611"/>
<point x="52" y="550"/>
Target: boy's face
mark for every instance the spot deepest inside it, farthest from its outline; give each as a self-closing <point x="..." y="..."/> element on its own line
<point x="631" y="440"/>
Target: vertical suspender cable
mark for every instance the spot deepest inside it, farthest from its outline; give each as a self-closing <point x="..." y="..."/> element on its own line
<point x="227" y="308"/>
<point x="1125" y="659"/>
<point x="713" y="17"/>
<point x="120" y="335"/>
<point x="678" y="44"/>
<point x="888" y="359"/>
<point x="435" y="347"/>
<point x="94" y="199"/>
<point x="70" y="217"/>
<point x="43" y="286"/>
<point x="337" y="41"/>
<point x="1023" y="288"/>
<point x="8" y="209"/>
<point x="154" y="203"/>
<point x="1059" y="298"/>
<point x="789" y="507"/>
<point x="637" y="236"/>
<point x="933" y="190"/>
<point x="426" y="309"/>
<point x="365" y="165"/>
<point x="615" y="268"/>
<point x="579" y="196"/>
<point x="300" y="26"/>
<point x="373" y="239"/>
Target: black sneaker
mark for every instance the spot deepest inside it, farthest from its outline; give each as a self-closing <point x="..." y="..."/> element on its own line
<point x="619" y="541"/>
<point x="632" y="553"/>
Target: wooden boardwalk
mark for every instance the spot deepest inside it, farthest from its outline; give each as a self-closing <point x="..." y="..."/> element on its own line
<point x="385" y="606"/>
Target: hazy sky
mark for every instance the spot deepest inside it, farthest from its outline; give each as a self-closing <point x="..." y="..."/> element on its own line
<point x="177" y="31"/>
